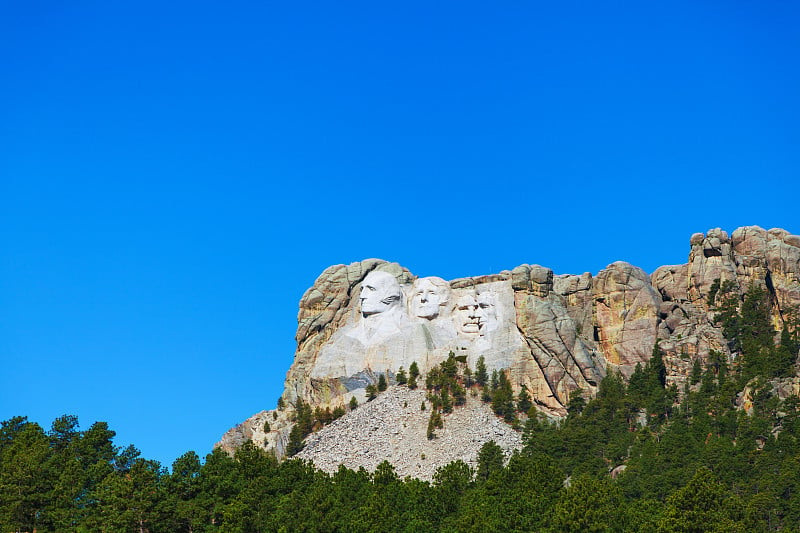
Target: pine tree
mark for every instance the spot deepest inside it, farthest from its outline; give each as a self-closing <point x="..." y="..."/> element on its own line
<point x="449" y="366"/>
<point x="372" y="392"/>
<point x="697" y="372"/>
<point x="296" y="443"/>
<point x="435" y="421"/>
<point x="382" y="383"/>
<point x="523" y="400"/>
<point x="727" y="316"/>
<point x="490" y="459"/>
<point x="468" y="377"/>
<point x="353" y="403"/>
<point x="413" y="370"/>
<point x="503" y="397"/>
<point x="402" y="379"/>
<point x="481" y="375"/>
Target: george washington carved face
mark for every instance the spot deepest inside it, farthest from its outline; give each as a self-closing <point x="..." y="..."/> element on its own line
<point x="380" y="291"/>
<point x="428" y="297"/>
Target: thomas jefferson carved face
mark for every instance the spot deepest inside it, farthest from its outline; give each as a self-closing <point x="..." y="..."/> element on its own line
<point x="379" y="292"/>
<point x="428" y="296"/>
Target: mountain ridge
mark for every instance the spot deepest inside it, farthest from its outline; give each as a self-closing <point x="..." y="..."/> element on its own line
<point x="554" y="335"/>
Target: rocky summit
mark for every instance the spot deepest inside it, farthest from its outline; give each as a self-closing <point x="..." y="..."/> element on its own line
<point x="551" y="334"/>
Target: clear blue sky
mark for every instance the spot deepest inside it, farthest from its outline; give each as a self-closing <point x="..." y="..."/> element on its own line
<point x="174" y="175"/>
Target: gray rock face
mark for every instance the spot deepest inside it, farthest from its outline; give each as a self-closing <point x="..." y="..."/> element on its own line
<point x="553" y="334"/>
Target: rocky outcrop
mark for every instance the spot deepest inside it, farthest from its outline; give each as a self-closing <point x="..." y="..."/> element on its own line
<point x="552" y="334"/>
<point x="626" y="315"/>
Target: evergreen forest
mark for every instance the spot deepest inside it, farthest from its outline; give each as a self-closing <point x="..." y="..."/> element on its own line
<point x="721" y="454"/>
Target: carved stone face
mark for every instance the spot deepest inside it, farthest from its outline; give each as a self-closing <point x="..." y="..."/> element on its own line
<point x="380" y="292"/>
<point x="467" y="315"/>
<point x="487" y="312"/>
<point x="428" y="297"/>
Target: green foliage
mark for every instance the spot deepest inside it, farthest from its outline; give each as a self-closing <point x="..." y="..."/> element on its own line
<point x="445" y="388"/>
<point x="665" y="488"/>
<point x="451" y="482"/>
<point x="747" y="324"/>
<point x="481" y="375"/>
<point x="401" y="377"/>
<point x="490" y="459"/>
<point x="647" y="388"/>
<point x="756" y="337"/>
<point x="353" y="403"/>
<point x="382" y="383"/>
<point x="372" y="392"/>
<point x="702" y="505"/>
<point x="726" y="308"/>
<point x="413" y="370"/>
<point x="434" y="422"/>
<point x="697" y="372"/>
<point x="701" y="465"/>
<point x="524" y="400"/>
<point x="303" y="425"/>
<point x="712" y="293"/>
<point x="589" y="504"/>
<point x="503" y="397"/>
<point x="295" y="444"/>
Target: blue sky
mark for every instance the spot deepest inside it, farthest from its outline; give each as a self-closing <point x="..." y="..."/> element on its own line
<point x="173" y="177"/>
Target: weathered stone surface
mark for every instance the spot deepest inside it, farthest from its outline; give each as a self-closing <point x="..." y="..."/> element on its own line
<point x="567" y="362"/>
<point x="553" y="334"/>
<point x="576" y="293"/>
<point x="770" y="259"/>
<point x="253" y="429"/>
<point x="671" y="282"/>
<point x="710" y="258"/>
<point x="626" y="315"/>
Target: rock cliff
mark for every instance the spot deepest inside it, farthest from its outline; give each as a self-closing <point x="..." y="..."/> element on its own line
<point x="553" y="334"/>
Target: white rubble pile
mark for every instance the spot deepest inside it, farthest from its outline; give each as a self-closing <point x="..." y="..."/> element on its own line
<point x="393" y="427"/>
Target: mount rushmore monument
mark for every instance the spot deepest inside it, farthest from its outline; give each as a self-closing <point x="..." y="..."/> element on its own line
<point x="553" y="334"/>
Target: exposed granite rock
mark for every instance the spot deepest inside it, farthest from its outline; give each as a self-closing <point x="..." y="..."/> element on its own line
<point x="553" y="334"/>
<point x="770" y="259"/>
<point x="711" y="258"/>
<point x="576" y="292"/>
<point x="626" y="315"/>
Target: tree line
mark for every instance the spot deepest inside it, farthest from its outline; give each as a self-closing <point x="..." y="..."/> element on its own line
<point x="639" y="456"/>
